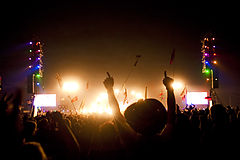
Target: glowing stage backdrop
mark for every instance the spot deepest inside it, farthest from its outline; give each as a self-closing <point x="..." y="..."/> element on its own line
<point x="197" y="98"/>
<point x="45" y="100"/>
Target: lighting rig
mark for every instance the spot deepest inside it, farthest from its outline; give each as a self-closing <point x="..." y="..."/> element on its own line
<point x="35" y="67"/>
<point x="209" y="63"/>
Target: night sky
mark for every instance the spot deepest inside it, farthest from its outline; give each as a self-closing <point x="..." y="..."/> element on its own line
<point x="84" y="40"/>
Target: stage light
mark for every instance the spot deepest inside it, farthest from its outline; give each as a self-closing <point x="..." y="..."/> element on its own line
<point x="38" y="75"/>
<point x="30" y="66"/>
<point x="214" y="54"/>
<point x="133" y="92"/>
<point x="70" y="86"/>
<point x="206" y="62"/>
<point x="30" y="50"/>
<point x="103" y="96"/>
<point x="214" y="46"/>
<point x="215" y="62"/>
<point x="29" y="59"/>
<point x="207" y="71"/>
<point x="116" y="91"/>
<point x="177" y="85"/>
<point x="30" y="42"/>
<point x="38" y="83"/>
<point x="139" y="96"/>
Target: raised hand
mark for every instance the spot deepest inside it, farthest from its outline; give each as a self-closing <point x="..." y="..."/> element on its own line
<point x="167" y="81"/>
<point x="108" y="82"/>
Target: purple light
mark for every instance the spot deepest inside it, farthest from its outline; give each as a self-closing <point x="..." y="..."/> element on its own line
<point x="214" y="46"/>
<point x="30" y="42"/>
<point x="206" y="54"/>
<point x="30" y="59"/>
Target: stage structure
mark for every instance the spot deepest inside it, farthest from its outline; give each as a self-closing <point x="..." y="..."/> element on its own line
<point x="35" y="67"/>
<point x="209" y="64"/>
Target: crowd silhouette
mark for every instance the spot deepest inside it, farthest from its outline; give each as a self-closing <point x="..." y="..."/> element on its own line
<point x="146" y="130"/>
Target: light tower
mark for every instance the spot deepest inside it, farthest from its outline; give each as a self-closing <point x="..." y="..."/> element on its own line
<point x="209" y="63"/>
<point x="35" y="67"/>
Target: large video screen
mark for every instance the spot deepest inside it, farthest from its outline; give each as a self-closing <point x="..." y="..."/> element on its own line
<point x="45" y="100"/>
<point x="197" y="98"/>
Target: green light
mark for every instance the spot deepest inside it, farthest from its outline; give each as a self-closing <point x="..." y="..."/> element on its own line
<point x="30" y="50"/>
<point x="38" y="76"/>
<point x="207" y="71"/>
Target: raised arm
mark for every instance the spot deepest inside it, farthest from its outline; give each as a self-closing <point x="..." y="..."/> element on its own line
<point x="125" y="131"/>
<point x="171" y="103"/>
<point x="109" y="83"/>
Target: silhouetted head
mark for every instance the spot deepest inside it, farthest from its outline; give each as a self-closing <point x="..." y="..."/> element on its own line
<point x="218" y="114"/>
<point x="108" y="136"/>
<point x="107" y="130"/>
<point x="147" y="117"/>
<point x="30" y="128"/>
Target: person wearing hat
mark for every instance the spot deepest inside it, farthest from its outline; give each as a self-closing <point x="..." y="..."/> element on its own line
<point x="145" y="121"/>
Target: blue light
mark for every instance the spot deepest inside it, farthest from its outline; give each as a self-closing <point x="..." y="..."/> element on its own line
<point x="206" y="62"/>
<point x="38" y="83"/>
<point x="30" y="42"/>
<point x="38" y="66"/>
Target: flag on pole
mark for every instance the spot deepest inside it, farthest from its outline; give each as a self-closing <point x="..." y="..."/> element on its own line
<point x="172" y="56"/>
<point x="184" y="94"/>
<point x="82" y="104"/>
<point x="137" y="57"/>
<point x="161" y="95"/>
<point x="74" y="99"/>
<point x="125" y="101"/>
<point x="59" y="78"/>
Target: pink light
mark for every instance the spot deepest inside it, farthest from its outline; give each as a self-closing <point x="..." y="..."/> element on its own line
<point x="30" y="59"/>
